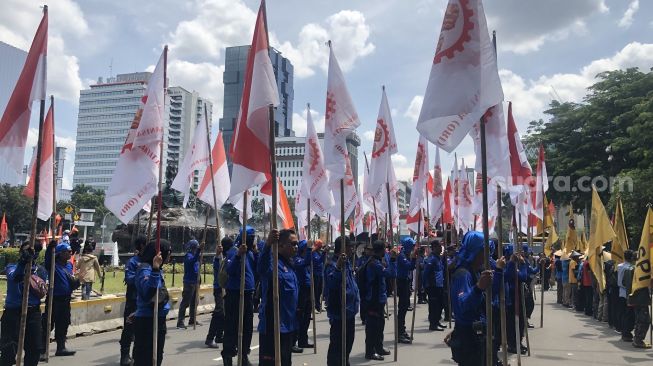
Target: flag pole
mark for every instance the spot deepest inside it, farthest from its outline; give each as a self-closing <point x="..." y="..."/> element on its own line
<point x="502" y="288"/>
<point x="241" y="304"/>
<point x="416" y="287"/>
<point x="155" y="313"/>
<point x="275" y="248"/>
<point x="343" y="290"/>
<point x="197" y="283"/>
<point x="523" y="293"/>
<point x="514" y="302"/>
<point x="48" y="328"/>
<point x="446" y="269"/>
<point x="544" y="236"/>
<point x="35" y="209"/>
<point x="308" y="235"/>
<point x="394" y="279"/>
<point x="486" y="247"/>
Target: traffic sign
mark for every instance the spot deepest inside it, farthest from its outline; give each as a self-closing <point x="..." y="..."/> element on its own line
<point x="76" y="217"/>
<point x="68" y="209"/>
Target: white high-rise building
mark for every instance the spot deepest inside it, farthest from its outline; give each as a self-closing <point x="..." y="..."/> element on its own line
<point x="106" y="111"/>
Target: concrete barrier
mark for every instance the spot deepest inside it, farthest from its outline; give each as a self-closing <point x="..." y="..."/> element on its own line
<point x="106" y="313"/>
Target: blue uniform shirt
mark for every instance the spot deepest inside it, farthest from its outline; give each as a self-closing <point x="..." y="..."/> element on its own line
<point x="15" y="275"/>
<point x="565" y="271"/>
<point x="405" y="266"/>
<point x="216" y="271"/>
<point x="233" y="270"/>
<point x="147" y="282"/>
<point x="191" y="266"/>
<point x="433" y="272"/>
<point x="130" y="276"/>
<point x="302" y="265"/>
<point x="63" y="273"/>
<point x="334" y="286"/>
<point x="509" y="278"/>
<point x="318" y="264"/>
<point x="288" y="293"/>
<point x="376" y="276"/>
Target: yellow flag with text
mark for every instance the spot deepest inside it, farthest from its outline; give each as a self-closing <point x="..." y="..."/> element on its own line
<point x="642" y="277"/>
<point x="601" y="232"/>
<point x="571" y="240"/>
<point x="620" y="243"/>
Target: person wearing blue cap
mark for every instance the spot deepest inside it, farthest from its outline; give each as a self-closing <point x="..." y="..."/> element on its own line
<point x="242" y="250"/>
<point x="289" y="293"/>
<point x="64" y="284"/>
<point x="468" y="284"/>
<point x="13" y="302"/>
<point x="302" y="264"/>
<point x="191" y="283"/>
<point x="405" y="265"/>
<point x="149" y="280"/>
<point x="434" y="285"/>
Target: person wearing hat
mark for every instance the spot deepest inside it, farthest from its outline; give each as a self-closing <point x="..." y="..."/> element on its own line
<point x="242" y="250"/>
<point x="289" y="294"/>
<point x="301" y="265"/>
<point x="11" y="315"/>
<point x="319" y="255"/>
<point x="149" y="280"/>
<point x="376" y="275"/>
<point x="191" y="283"/>
<point x="64" y="284"/>
<point x="405" y="265"/>
<point x="468" y="283"/>
<point x="127" y="334"/>
<point x="340" y="265"/>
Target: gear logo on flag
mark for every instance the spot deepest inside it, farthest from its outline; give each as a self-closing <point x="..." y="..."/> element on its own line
<point x="448" y="43"/>
<point x="381" y="137"/>
<point x="330" y="106"/>
<point x="314" y="154"/>
<point x="437" y="183"/>
<point x="418" y="162"/>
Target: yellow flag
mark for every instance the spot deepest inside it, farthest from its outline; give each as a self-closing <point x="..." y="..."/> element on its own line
<point x="620" y="243"/>
<point x="571" y="240"/>
<point x="550" y="239"/>
<point x="583" y="246"/>
<point x="601" y="232"/>
<point x="642" y="277"/>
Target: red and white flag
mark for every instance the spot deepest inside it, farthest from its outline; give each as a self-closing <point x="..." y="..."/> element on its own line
<point x="447" y="214"/>
<point x="283" y="208"/>
<point x="195" y="160"/>
<point x="250" y="151"/>
<point x="14" y="125"/>
<point x="220" y="177"/>
<point x="437" y="196"/>
<point x="134" y="181"/>
<point x="46" y="174"/>
<point x="463" y="200"/>
<point x="520" y="168"/>
<point x="541" y="186"/>
<point x="341" y="120"/>
<point x="414" y="223"/>
<point x="385" y="145"/>
<point x="497" y="152"/>
<point x="315" y="179"/>
<point x="420" y="177"/>
<point x="350" y="194"/>
<point x="464" y="80"/>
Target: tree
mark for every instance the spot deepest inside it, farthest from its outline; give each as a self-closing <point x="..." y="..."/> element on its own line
<point x="18" y="209"/>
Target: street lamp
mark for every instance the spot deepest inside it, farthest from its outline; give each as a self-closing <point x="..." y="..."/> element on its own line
<point x="103" y="226"/>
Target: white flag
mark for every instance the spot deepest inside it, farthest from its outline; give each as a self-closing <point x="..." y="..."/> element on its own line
<point x="497" y="152"/>
<point x="437" y="198"/>
<point x="195" y="159"/>
<point x="420" y="177"/>
<point x="134" y="181"/>
<point x="220" y="177"/>
<point x="385" y="145"/>
<point x="464" y="80"/>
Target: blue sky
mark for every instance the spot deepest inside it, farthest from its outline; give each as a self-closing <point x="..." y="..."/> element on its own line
<point x="546" y="48"/>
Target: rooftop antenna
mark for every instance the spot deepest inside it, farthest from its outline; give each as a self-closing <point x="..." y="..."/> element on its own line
<point x="111" y="68"/>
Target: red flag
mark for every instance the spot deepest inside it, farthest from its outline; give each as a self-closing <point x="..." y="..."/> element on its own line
<point x="14" y="124"/>
<point x="413" y="224"/>
<point x="519" y="165"/>
<point x="448" y="218"/>
<point x="283" y="208"/>
<point x="220" y="176"/>
<point x="249" y="149"/>
<point x="46" y="174"/>
<point x="541" y="186"/>
<point x="4" y="229"/>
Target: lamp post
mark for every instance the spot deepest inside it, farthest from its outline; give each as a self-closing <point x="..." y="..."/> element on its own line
<point x="103" y="226"/>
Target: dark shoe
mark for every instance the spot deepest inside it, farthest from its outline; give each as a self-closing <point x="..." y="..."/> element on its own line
<point x="410" y="308"/>
<point x="436" y="328"/>
<point x="374" y="357"/>
<point x="296" y="349"/>
<point x="530" y="326"/>
<point x="641" y="344"/>
<point x="42" y="358"/>
<point x="627" y="338"/>
<point x="65" y="352"/>
<point x="211" y="344"/>
<point x="181" y="326"/>
<point x="246" y="361"/>
<point x="219" y="339"/>
<point x="512" y="349"/>
<point x="405" y="340"/>
<point x="227" y="361"/>
<point x="405" y="335"/>
<point x="524" y="350"/>
<point x="384" y="352"/>
<point x="125" y="360"/>
<point x="198" y="324"/>
<point x="306" y="345"/>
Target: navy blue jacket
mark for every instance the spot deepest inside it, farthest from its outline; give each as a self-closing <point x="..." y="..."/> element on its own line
<point x="433" y="272"/>
<point x="130" y="277"/>
<point x="318" y="263"/>
<point x="216" y="271"/>
<point x="15" y="275"/>
<point x="509" y="278"/>
<point x="376" y="280"/>
<point x="334" y="289"/>
<point x="233" y="270"/>
<point x="288" y="293"/>
<point x="191" y="266"/>
<point x="147" y="282"/>
<point x="63" y="276"/>
<point x="302" y="265"/>
<point x="467" y="300"/>
<point x="405" y="266"/>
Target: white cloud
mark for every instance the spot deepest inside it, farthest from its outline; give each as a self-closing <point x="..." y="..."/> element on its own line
<point x="531" y="97"/>
<point x="349" y="33"/>
<point x="299" y="122"/>
<point x="368" y="135"/>
<point x="403" y="169"/>
<point x="414" y="108"/>
<point x="203" y="77"/>
<point x="627" y="19"/>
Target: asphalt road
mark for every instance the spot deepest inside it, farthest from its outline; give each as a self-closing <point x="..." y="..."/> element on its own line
<point x="568" y="338"/>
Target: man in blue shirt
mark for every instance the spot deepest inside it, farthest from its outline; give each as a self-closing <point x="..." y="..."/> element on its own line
<point x="405" y="265"/>
<point x="289" y="286"/>
<point x="191" y="283"/>
<point x="468" y="284"/>
<point x="319" y="257"/>
<point x="301" y="265"/>
<point x="11" y="314"/>
<point x="216" y="328"/>
<point x="434" y="284"/>
<point x="127" y="335"/>
<point x="376" y="298"/>
<point x="243" y="250"/>
<point x="339" y="266"/>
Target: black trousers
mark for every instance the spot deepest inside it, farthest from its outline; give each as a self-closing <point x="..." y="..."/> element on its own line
<point x="620" y="309"/>
<point x="613" y="307"/>
<point x="303" y="315"/>
<point x="143" y="328"/>
<point x="467" y="348"/>
<point x="628" y="322"/>
<point x="559" y="291"/>
<point x="231" y="310"/>
<point x="642" y="323"/>
<point x="127" y="334"/>
<point x="266" y="353"/>
<point x="403" y="292"/>
<point x="435" y="299"/>
<point x="216" y="328"/>
<point x="60" y="321"/>
<point x="334" y="355"/>
<point x="588" y="299"/>
<point x="530" y="300"/>
<point x="374" y="327"/>
<point x="510" y="325"/>
<point x="317" y="292"/>
<point x="188" y="297"/>
<point x="9" y="336"/>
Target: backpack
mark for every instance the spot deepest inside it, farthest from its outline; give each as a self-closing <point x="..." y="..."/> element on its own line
<point x="627" y="279"/>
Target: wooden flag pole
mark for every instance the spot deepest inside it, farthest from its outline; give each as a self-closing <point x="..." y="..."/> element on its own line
<point x="312" y="294"/>
<point x="416" y="287"/>
<point x="502" y="288"/>
<point x="243" y="268"/>
<point x="486" y="248"/>
<point x="394" y="279"/>
<point x="201" y="248"/>
<point x="275" y="248"/>
<point x="155" y="313"/>
<point x="544" y="239"/>
<point x="35" y="209"/>
<point x="343" y="290"/>
<point x="521" y="288"/>
<point x="446" y="266"/>
<point x="48" y="327"/>
<point x="516" y="299"/>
